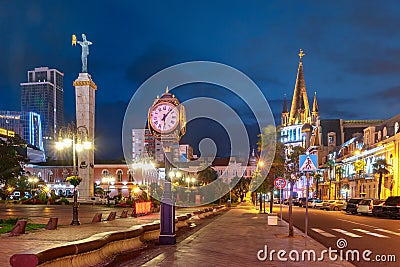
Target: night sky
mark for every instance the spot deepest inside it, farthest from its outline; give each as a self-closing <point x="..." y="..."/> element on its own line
<point x="352" y="52"/>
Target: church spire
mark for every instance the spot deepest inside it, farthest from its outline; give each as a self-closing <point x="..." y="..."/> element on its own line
<point x="314" y="113"/>
<point x="284" y="109"/>
<point x="285" y="113"/>
<point x="300" y="110"/>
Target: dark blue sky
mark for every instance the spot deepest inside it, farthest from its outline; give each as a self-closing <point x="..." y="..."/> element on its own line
<point x="352" y="50"/>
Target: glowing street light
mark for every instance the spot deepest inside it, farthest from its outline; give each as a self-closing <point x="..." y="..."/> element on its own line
<point x="33" y="181"/>
<point x="77" y="138"/>
<point x="108" y="180"/>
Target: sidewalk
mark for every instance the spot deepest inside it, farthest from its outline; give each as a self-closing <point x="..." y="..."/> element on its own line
<point x="63" y="234"/>
<point x="234" y="239"/>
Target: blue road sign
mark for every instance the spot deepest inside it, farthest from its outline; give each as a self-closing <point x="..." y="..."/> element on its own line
<point x="308" y="163"/>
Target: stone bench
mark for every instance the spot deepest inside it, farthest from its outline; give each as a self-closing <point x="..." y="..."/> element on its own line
<point x="90" y="251"/>
<point x="96" y="249"/>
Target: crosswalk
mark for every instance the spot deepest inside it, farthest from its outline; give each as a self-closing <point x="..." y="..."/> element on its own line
<point x="357" y="232"/>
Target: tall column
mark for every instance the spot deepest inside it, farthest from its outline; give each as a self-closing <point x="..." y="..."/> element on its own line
<point x="85" y="110"/>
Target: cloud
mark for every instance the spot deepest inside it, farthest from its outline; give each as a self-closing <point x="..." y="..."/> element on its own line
<point x="388" y="95"/>
<point x="155" y="58"/>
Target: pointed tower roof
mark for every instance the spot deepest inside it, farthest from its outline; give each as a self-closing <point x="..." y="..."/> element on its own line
<point x="284" y="109"/>
<point x="315" y="104"/>
<point x="300" y="100"/>
<point x="253" y="159"/>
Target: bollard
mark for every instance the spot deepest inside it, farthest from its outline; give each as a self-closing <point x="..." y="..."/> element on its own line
<point x="133" y="214"/>
<point x="19" y="228"/>
<point x="112" y="215"/>
<point x="272" y="219"/>
<point x="124" y="214"/>
<point x="52" y="224"/>
<point x="97" y="218"/>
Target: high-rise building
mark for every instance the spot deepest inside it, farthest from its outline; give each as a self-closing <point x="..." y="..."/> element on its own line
<point x="25" y="124"/>
<point x="44" y="94"/>
<point x="144" y="145"/>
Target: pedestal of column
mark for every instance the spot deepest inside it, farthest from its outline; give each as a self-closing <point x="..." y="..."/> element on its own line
<point x="85" y="90"/>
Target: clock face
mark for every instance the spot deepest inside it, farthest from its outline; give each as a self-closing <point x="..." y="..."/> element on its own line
<point x="164" y="117"/>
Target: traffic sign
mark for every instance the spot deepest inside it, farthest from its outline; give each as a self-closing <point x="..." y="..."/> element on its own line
<point x="308" y="162"/>
<point x="280" y="183"/>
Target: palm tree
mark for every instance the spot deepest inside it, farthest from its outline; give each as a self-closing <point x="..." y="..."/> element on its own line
<point x="317" y="177"/>
<point x="330" y="164"/>
<point x="359" y="166"/>
<point x="380" y="167"/>
<point x="339" y="173"/>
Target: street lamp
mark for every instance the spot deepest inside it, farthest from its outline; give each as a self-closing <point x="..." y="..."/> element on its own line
<point x="108" y="180"/>
<point x="260" y="165"/>
<point x="188" y="180"/>
<point x="33" y="181"/>
<point x="145" y="165"/>
<point x="77" y="138"/>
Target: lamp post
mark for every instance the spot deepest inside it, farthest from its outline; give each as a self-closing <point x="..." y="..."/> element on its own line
<point x="188" y="180"/>
<point x="77" y="138"/>
<point x="33" y="181"/>
<point x="108" y="180"/>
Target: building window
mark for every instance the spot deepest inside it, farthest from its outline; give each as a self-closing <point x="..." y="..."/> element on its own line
<point x="331" y="139"/>
<point x="119" y="176"/>
<point x="105" y="173"/>
<point x="130" y="176"/>
<point x="385" y="133"/>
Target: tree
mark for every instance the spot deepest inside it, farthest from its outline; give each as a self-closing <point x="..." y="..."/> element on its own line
<point x="206" y="176"/>
<point x="380" y="167"/>
<point x="359" y="167"/>
<point x="292" y="174"/>
<point x="339" y="172"/>
<point x="330" y="164"/>
<point x="11" y="161"/>
<point x="273" y="153"/>
<point x="317" y="177"/>
<point x="240" y="186"/>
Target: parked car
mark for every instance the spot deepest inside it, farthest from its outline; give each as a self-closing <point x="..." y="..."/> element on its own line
<point x="351" y="206"/>
<point x="302" y="202"/>
<point x="333" y="205"/>
<point x="16" y="195"/>
<point x="295" y="202"/>
<point x="316" y="204"/>
<point x="366" y="205"/>
<point x="391" y="207"/>
<point x="377" y="210"/>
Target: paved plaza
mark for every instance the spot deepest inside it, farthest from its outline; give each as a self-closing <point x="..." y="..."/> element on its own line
<point x="233" y="238"/>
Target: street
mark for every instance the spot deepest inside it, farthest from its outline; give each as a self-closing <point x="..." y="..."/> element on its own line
<point x="379" y="235"/>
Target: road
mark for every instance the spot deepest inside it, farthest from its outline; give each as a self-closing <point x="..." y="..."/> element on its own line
<point x="356" y="232"/>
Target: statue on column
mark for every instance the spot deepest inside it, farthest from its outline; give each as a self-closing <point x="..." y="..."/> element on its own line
<point x="85" y="50"/>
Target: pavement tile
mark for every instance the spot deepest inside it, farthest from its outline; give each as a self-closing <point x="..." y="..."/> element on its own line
<point x="234" y="239"/>
<point x="231" y="239"/>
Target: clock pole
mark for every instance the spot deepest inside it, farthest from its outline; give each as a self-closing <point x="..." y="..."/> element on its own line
<point x="167" y="126"/>
<point x="167" y="208"/>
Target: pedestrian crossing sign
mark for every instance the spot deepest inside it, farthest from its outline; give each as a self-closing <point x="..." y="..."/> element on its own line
<point x="308" y="162"/>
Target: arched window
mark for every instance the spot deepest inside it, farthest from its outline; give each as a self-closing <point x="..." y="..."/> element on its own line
<point x="119" y="175"/>
<point x="130" y="176"/>
<point x="105" y="173"/>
